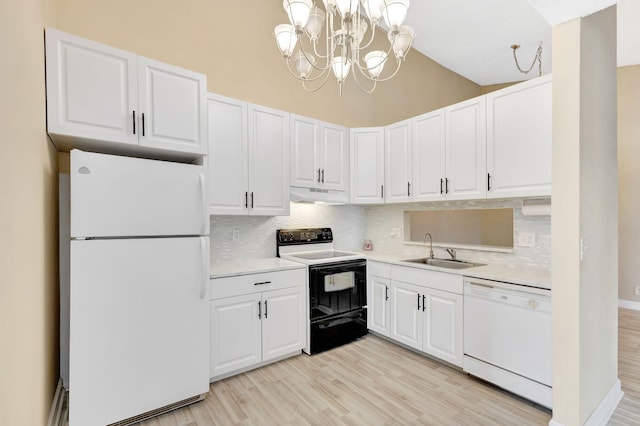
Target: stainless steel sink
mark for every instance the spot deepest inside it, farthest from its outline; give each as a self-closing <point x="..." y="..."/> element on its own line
<point x="445" y="263"/>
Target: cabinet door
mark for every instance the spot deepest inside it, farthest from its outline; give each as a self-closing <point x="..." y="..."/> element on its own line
<point x="268" y="161"/>
<point x="334" y="157"/>
<point x="398" y="162"/>
<point x="367" y="165"/>
<point x="235" y="333"/>
<point x="443" y="326"/>
<point x="429" y="156"/>
<point x="466" y="163"/>
<point x="406" y="314"/>
<point x="519" y="140"/>
<point x="378" y="304"/>
<point x="305" y="165"/>
<point x="92" y="90"/>
<point x="283" y="322"/>
<point x="173" y="107"/>
<point x="228" y="156"/>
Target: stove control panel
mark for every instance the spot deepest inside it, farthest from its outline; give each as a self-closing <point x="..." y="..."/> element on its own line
<point x="286" y="237"/>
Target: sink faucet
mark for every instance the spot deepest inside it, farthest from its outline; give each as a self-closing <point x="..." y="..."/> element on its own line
<point x="452" y="253"/>
<point x="430" y="244"/>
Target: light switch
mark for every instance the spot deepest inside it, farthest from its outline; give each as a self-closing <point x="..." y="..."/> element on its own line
<point x="526" y="239"/>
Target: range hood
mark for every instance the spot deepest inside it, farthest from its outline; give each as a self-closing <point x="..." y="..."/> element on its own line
<point x="315" y="195"/>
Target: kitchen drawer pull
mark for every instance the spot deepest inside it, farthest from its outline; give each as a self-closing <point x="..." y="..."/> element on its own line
<point x="408" y="189"/>
<point x="446" y="185"/>
<point x="251" y="199"/>
<point x="259" y="310"/>
<point x="386" y="292"/>
<point x="262" y="283"/>
<point x="322" y="176"/>
<point x="418" y="301"/>
<point x="441" y="190"/>
<point x="265" y="309"/>
<point x="488" y="182"/>
<point x="143" y="124"/>
<point x="318" y="175"/>
<point x="423" y="303"/>
<point x="382" y="191"/>
<point x="246" y="199"/>
<point x="134" y="121"/>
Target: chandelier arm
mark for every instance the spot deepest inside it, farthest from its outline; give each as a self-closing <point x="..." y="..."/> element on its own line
<point x="319" y="68"/>
<point x="373" y="36"/>
<point x="537" y="57"/>
<point x="366" y="91"/>
<point x="320" y="75"/>
<point x="326" y="78"/>
<point x="365" y="68"/>
<point x="392" y="75"/>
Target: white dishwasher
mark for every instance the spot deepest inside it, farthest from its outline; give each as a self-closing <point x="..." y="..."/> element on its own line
<point x="508" y="335"/>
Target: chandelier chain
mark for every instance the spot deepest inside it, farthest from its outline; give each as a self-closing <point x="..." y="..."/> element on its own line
<point x="538" y="58"/>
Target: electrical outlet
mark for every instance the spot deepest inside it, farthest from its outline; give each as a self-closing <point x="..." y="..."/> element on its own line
<point x="235" y="234"/>
<point x="395" y="232"/>
<point x="638" y="290"/>
<point x="526" y="239"/>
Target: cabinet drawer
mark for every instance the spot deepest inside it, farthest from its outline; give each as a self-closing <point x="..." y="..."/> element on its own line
<point x="379" y="269"/>
<point x="426" y="278"/>
<point x="252" y="283"/>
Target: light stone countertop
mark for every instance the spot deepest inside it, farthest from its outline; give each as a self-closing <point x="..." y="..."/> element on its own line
<point x="533" y="277"/>
<point x="252" y="266"/>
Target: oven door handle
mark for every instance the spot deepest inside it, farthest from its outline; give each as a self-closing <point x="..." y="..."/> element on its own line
<point x="346" y="266"/>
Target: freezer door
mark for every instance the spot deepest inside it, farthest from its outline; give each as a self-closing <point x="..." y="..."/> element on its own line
<point x="113" y="196"/>
<point x="139" y="334"/>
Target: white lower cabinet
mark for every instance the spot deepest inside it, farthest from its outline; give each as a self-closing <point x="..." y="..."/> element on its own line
<point x="420" y="308"/>
<point x="265" y="323"/>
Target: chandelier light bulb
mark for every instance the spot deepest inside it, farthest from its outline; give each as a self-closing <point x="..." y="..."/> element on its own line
<point x="304" y="64"/>
<point x="329" y="5"/>
<point x="286" y="38"/>
<point x="375" y="62"/>
<point x="373" y="9"/>
<point x="341" y="66"/>
<point x="395" y="12"/>
<point x="315" y="23"/>
<point x="298" y="11"/>
<point x="401" y="41"/>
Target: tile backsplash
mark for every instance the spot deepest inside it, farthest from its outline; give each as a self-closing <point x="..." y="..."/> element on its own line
<point x="380" y="223"/>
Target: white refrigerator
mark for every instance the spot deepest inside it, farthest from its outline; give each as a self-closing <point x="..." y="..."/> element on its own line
<point x="134" y="278"/>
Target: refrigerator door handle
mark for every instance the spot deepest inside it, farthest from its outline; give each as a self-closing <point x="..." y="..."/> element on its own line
<point x="205" y="267"/>
<point x="203" y="200"/>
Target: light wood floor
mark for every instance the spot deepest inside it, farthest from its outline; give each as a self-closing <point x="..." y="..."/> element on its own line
<point x="374" y="382"/>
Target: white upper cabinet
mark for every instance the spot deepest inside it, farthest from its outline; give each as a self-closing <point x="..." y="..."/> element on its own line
<point x="429" y="156"/>
<point x="398" y="162"/>
<point x="367" y="165"/>
<point x="319" y="154"/>
<point x="466" y="147"/>
<point x="111" y="100"/>
<point x="249" y="158"/>
<point x="519" y="140"/>
<point x="268" y="161"/>
<point x="228" y="156"/>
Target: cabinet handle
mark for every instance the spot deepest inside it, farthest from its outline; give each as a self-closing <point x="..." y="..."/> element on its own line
<point x="134" y="121"/>
<point x="418" y="301"/>
<point x="441" y="190"/>
<point x="246" y="199"/>
<point x="488" y="182"/>
<point x="382" y="191"/>
<point x="259" y="310"/>
<point x="446" y="185"/>
<point x="408" y="189"/>
<point x="423" y="305"/>
<point x="322" y="176"/>
<point x="318" y="175"/>
<point x="265" y="309"/>
<point x="386" y="292"/>
<point x="143" y="124"/>
<point x="251" y="199"/>
<point x="262" y="283"/>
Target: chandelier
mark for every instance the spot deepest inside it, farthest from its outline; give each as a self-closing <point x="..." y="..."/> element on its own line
<point x="343" y="47"/>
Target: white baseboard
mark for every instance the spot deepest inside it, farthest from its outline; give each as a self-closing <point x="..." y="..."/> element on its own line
<point x="604" y="410"/>
<point x="607" y="406"/>
<point x="629" y="304"/>
<point x="55" y="413"/>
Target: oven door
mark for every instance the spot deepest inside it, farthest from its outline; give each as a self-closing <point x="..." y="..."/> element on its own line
<point x="336" y="289"/>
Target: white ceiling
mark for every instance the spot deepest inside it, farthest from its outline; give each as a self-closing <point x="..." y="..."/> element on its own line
<point x="473" y="38"/>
